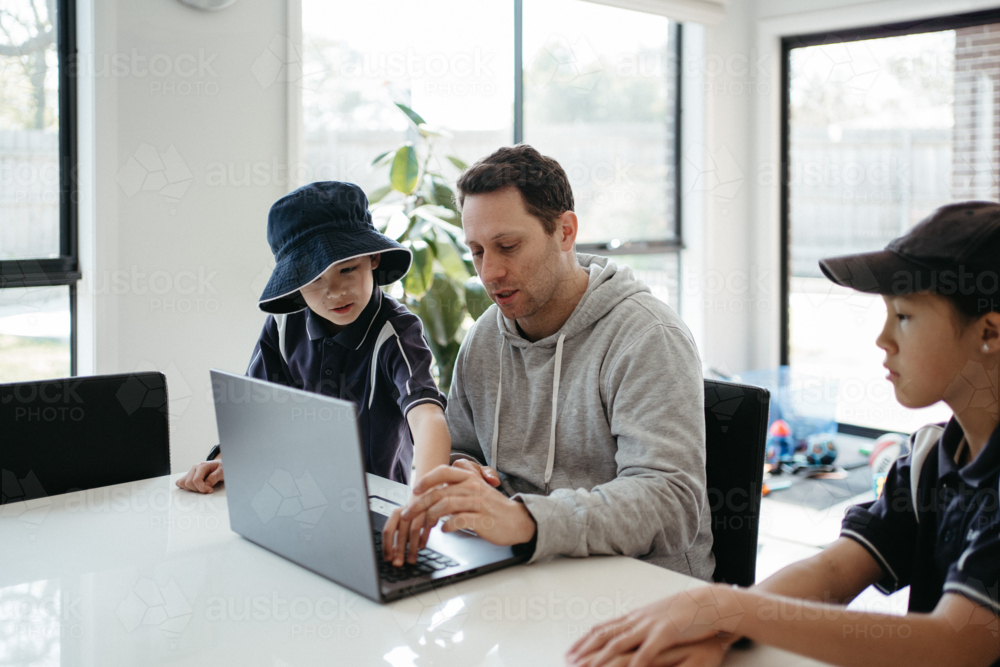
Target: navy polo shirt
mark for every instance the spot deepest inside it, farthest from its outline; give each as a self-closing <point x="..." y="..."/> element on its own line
<point x="380" y="362"/>
<point x="949" y="542"/>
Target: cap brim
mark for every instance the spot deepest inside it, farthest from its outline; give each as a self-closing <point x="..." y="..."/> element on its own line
<point x="882" y="272"/>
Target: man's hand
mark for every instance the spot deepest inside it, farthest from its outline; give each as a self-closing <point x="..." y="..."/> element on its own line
<point x="202" y="477"/>
<point x="465" y="494"/>
<point x="696" y="615"/>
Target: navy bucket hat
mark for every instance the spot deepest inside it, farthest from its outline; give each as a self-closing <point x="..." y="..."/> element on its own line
<point x="316" y="226"/>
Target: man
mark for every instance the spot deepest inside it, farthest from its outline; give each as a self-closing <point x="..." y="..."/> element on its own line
<point x="581" y="391"/>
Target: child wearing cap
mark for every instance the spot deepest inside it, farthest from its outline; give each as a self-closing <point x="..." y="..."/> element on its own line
<point x="333" y="331"/>
<point x="936" y="526"/>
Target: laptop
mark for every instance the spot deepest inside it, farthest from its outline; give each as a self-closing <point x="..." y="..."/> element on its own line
<point x="296" y="485"/>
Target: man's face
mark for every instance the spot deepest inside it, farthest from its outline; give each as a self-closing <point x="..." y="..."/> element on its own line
<point x="516" y="260"/>
<point x="340" y="293"/>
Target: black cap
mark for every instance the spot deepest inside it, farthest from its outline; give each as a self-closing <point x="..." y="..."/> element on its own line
<point x="955" y="251"/>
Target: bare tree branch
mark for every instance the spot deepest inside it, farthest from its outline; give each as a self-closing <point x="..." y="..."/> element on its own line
<point x="39" y="24"/>
<point x="27" y="47"/>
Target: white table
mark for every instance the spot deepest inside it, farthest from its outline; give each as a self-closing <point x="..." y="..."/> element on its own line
<point x="144" y="573"/>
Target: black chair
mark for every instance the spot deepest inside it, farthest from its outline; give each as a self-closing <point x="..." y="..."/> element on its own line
<point x="81" y="433"/>
<point x="735" y="435"/>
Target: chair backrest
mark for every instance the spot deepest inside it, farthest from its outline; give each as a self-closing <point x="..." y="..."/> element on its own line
<point x="81" y="433"/>
<point x="735" y="435"/>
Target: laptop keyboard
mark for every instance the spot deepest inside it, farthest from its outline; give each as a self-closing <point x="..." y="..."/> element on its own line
<point x="428" y="562"/>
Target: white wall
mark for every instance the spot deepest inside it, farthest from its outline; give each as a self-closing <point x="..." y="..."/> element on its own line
<point x="719" y="281"/>
<point x="170" y="283"/>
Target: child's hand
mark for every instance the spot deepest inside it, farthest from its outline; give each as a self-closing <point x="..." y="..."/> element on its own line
<point x="709" y="653"/>
<point x="487" y="473"/>
<point x="659" y="627"/>
<point x="203" y="477"/>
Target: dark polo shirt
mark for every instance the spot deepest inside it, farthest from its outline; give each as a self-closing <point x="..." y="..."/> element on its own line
<point x="949" y="541"/>
<point x="380" y="362"/>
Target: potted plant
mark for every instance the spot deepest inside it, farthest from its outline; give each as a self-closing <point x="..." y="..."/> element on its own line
<point x="417" y="208"/>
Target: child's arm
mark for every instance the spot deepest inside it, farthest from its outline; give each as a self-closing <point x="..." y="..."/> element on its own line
<point x="957" y="632"/>
<point x="835" y="575"/>
<point x="431" y="441"/>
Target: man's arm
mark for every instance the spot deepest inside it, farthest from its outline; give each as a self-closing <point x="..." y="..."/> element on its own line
<point x="655" y="396"/>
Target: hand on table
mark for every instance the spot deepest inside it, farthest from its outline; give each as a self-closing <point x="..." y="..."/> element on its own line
<point x="708" y="653"/>
<point x="676" y="627"/>
<point x="202" y="477"/>
<point x="465" y="493"/>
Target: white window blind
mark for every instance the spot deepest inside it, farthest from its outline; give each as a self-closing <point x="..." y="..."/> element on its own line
<point x="707" y="12"/>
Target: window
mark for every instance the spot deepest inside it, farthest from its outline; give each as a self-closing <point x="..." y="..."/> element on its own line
<point x="883" y="125"/>
<point x="600" y="96"/>
<point x="38" y="254"/>
<point x="594" y="87"/>
<point x="456" y="78"/>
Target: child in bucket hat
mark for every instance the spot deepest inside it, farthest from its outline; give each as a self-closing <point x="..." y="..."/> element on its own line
<point x="333" y="331"/>
<point x="936" y="526"/>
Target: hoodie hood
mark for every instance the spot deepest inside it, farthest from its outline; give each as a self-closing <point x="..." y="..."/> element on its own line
<point x="609" y="285"/>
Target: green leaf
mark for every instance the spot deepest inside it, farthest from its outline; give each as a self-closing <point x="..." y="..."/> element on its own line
<point x="397" y="225"/>
<point x="412" y="115"/>
<point x="445" y="358"/>
<point x="443" y="214"/>
<point x="461" y="166"/>
<point x="429" y="212"/>
<point x="381" y="159"/>
<point x="433" y="131"/>
<point x="445" y="196"/>
<point x="421" y="274"/>
<point x="441" y="310"/>
<point x="450" y="257"/>
<point x="476" y="299"/>
<point x="378" y="194"/>
<point x="405" y="169"/>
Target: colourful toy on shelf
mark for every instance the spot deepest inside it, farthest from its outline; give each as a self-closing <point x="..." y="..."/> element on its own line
<point x="820" y="449"/>
<point x="885" y="451"/>
<point x="780" y="444"/>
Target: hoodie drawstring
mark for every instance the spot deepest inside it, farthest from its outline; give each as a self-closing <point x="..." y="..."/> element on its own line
<point x="550" y="461"/>
<point x="496" y="414"/>
<point x="555" y="406"/>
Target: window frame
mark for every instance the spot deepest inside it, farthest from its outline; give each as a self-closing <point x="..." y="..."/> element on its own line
<point x="647" y="246"/>
<point x="896" y="29"/>
<point x="63" y="270"/>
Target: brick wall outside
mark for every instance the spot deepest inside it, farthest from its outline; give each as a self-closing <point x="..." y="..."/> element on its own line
<point x="976" y="139"/>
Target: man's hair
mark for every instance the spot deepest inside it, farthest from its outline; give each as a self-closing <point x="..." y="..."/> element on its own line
<point x="542" y="183"/>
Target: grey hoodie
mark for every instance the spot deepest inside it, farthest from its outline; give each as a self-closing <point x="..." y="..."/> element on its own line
<point x="622" y="471"/>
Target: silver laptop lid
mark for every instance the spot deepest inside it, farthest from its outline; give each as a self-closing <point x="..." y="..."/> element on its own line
<point x="295" y="481"/>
